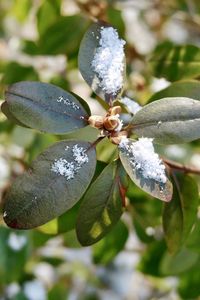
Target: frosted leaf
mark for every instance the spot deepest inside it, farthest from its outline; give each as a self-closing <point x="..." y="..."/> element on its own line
<point x="131" y="105"/>
<point x="68" y="102"/>
<point x="68" y="169"/>
<point x="144" y="159"/>
<point x="108" y="60"/>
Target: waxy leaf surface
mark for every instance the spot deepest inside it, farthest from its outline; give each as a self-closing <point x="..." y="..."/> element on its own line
<point x="45" y="107"/>
<point x="169" y="120"/>
<point x="45" y="191"/>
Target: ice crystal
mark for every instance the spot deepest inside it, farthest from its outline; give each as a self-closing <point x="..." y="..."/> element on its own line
<point x="144" y="159"/>
<point x="68" y="169"/>
<point x="108" y="60"/>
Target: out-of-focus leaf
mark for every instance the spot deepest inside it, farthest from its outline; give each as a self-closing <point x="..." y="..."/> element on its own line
<point x="160" y="190"/>
<point x="88" y="48"/>
<point x="54" y="183"/>
<point x="115" y="18"/>
<point x="189" y="287"/>
<point x="47" y="14"/>
<point x="20" y="9"/>
<point x="176" y="62"/>
<point x="193" y="240"/>
<point x="59" y="38"/>
<point x="14" y="252"/>
<point x="180" y="214"/>
<point x="15" y="72"/>
<point x="102" y="205"/>
<point x="189" y="89"/>
<point x="179" y="263"/>
<point x="169" y="120"/>
<point x="150" y="260"/>
<point x="106" y="249"/>
<point x="45" y="107"/>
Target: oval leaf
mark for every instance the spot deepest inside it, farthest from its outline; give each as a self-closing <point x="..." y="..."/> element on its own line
<point x="169" y="120"/>
<point x="45" y="107"/>
<point x="55" y="182"/>
<point x="155" y="188"/>
<point x="102" y="205"/>
<point x="5" y="110"/>
<point x="102" y="61"/>
<point x="180" y="214"/>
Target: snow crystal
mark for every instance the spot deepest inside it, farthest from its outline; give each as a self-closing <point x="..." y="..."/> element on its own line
<point x="16" y="242"/>
<point x="68" y="102"/>
<point x="131" y="105"/>
<point x="108" y="60"/>
<point x="63" y="167"/>
<point x="144" y="159"/>
<point x="119" y="127"/>
<point x="79" y="155"/>
<point x="68" y="169"/>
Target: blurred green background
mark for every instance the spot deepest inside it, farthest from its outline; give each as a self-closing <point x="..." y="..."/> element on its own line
<point x="39" y="40"/>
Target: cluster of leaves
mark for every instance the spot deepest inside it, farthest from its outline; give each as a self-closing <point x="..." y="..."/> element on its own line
<point x="40" y="195"/>
<point x="181" y="225"/>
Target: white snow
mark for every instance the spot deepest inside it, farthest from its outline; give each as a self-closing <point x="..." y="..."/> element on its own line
<point x="16" y="242"/>
<point x="144" y="159"/>
<point x="108" y="60"/>
<point x="131" y="105"/>
<point x="68" y="102"/>
<point x="68" y="169"/>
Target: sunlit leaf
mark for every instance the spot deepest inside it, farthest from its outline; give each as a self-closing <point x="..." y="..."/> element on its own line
<point x="169" y="120"/>
<point x="102" y="205"/>
<point x="45" y="107"/>
<point x="55" y="182"/>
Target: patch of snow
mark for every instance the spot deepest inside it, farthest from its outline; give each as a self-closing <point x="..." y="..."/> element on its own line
<point x="68" y="102"/>
<point x="144" y="159"/>
<point x="108" y="60"/>
<point x="132" y="106"/>
<point x="68" y="169"/>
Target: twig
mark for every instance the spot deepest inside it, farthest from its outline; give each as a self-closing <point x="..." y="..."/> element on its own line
<point x="186" y="169"/>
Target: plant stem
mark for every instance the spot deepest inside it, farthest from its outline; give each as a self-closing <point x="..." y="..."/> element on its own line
<point x="186" y="169"/>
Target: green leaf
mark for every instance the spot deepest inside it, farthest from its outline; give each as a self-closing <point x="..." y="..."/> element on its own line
<point x="45" y="107"/>
<point x="157" y="189"/>
<point x="106" y="249"/>
<point x="59" y="38"/>
<point x="51" y="186"/>
<point x="189" y="287"/>
<point x="173" y="265"/>
<point x="189" y="89"/>
<point x="5" y="110"/>
<point x="102" y="205"/>
<point x="87" y="51"/>
<point x="180" y="214"/>
<point x="169" y="120"/>
<point x="176" y="62"/>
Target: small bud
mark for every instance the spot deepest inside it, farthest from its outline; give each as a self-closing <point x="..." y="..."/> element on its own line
<point x="115" y="110"/>
<point x="116" y="137"/>
<point x="111" y="122"/>
<point x="96" y="121"/>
